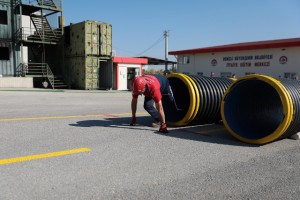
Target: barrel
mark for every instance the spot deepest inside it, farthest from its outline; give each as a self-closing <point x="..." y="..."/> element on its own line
<point x="198" y="99"/>
<point x="259" y="109"/>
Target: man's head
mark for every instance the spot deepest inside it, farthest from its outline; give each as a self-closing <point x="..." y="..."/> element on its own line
<point x="139" y="85"/>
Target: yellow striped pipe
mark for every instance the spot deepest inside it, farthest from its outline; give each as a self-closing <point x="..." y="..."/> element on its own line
<point x="194" y="99"/>
<point x="287" y="107"/>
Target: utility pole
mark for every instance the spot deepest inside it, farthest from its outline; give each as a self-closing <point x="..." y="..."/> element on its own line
<point x="166" y="34"/>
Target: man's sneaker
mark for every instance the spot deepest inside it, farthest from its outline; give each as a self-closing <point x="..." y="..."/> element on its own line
<point x="156" y="124"/>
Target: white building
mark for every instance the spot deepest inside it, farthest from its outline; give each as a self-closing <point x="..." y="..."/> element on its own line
<point x="276" y="58"/>
<point x="125" y="69"/>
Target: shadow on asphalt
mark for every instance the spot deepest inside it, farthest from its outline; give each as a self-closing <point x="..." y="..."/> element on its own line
<point x="211" y="133"/>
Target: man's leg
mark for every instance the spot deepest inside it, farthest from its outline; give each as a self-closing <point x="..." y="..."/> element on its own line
<point x="169" y="93"/>
<point x="149" y="107"/>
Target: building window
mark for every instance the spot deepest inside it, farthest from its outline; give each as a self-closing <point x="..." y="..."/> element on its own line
<point x="3" y="17"/>
<point x="186" y="59"/>
<point x="289" y="75"/>
<point x="225" y="74"/>
<point x="4" y="53"/>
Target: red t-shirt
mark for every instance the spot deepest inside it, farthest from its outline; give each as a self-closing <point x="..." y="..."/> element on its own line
<point x="153" y="90"/>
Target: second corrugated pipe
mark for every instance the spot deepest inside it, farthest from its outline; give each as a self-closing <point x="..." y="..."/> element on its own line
<point x="259" y="109"/>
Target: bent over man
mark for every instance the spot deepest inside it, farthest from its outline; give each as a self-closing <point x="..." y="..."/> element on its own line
<point x="152" y="87"/>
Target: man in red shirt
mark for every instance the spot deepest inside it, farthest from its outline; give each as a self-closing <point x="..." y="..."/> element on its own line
<point x="152" y="87"/>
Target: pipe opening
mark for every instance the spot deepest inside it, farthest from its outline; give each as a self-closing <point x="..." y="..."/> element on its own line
<point x="253" y="109"/>
<point x="182" y="98"/>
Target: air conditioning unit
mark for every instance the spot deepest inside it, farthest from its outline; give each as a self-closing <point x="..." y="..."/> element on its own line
<point x="113" y="53"/>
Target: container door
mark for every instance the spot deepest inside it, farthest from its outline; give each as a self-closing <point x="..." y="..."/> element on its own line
<point x="91" y="39"/>
<point x="105" y="38"/>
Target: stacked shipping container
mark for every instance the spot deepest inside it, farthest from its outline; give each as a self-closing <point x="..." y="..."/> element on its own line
<point x="88" y="49"/>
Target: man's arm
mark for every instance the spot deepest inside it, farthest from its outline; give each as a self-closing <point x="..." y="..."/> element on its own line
<point x="133" y="106"/>
<point x="133" y="111"/>
<point x="161" y="112"/>
<point x="163" y="126"/>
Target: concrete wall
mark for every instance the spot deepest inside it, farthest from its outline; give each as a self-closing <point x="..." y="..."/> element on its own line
<point x="16" y="82"/>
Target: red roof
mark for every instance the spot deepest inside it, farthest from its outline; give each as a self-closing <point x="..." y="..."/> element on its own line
<point x="283" y="43"/>
<point x="130" y="60"/>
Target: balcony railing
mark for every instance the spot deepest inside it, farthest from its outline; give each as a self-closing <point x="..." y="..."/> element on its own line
<point x="57" y="3"/>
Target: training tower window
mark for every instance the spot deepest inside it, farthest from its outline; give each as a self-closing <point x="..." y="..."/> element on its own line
<point x="4" y="53"/>
<point x="3" y="17"/>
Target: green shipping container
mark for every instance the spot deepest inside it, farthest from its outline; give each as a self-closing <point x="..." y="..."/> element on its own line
<point x="90" y="38"/>
<point x="83" y="72"/>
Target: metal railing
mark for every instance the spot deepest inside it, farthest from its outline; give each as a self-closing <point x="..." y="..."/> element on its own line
<point x="49" y="74"/>
<point x="36" y="70"/>
<point x="32" y="34"/>
<point x="20" y="71"/>
<point x="57" y="3"/>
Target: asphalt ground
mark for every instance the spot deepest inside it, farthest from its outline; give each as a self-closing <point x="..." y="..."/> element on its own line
<point x="76" y="144"/>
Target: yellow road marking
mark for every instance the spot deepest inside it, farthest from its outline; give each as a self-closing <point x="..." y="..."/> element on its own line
<point x="41" y="156"/>
<point x="65" y="117"/>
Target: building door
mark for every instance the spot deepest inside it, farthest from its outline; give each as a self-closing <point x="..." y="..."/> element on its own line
<point x="131" y="73"/>
<point x="122" y="78"/>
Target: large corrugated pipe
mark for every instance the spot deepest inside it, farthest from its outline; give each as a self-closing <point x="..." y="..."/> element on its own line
<point x="259" y="109"/>
<point x="198" y="99"/>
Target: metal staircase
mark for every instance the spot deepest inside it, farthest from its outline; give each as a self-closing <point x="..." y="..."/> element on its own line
<point x="49" y="3"/>
<point x="43" y="31"/>
<point x="59" y="82"/>
<point x="42" y="36"/>
<point x="41" y="70"/>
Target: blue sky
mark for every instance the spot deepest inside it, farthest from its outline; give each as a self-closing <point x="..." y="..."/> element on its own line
<point x="139" y="24"/>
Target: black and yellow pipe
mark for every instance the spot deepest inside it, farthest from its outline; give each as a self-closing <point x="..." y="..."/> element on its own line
<point x="198" y="99"/>
<point x="259" y="109"/>
<point x="187" y="99"/>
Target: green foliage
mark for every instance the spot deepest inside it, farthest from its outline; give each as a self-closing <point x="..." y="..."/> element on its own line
<point x="161" y="71"/>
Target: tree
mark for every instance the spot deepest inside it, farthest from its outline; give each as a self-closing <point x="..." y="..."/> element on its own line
<point x="173" y="69"/>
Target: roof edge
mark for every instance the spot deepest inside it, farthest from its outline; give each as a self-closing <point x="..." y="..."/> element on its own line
<point x="130" y="60"/>
<point x="292" y="42"/>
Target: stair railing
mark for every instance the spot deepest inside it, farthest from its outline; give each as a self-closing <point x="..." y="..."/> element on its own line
<point x="29" y="34"/>
<point x="24" y="68"/>
<point x="47" y="72"/>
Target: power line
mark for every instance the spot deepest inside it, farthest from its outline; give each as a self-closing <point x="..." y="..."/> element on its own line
<point x="154" y="44"/>
<point x="125" y="50"/>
